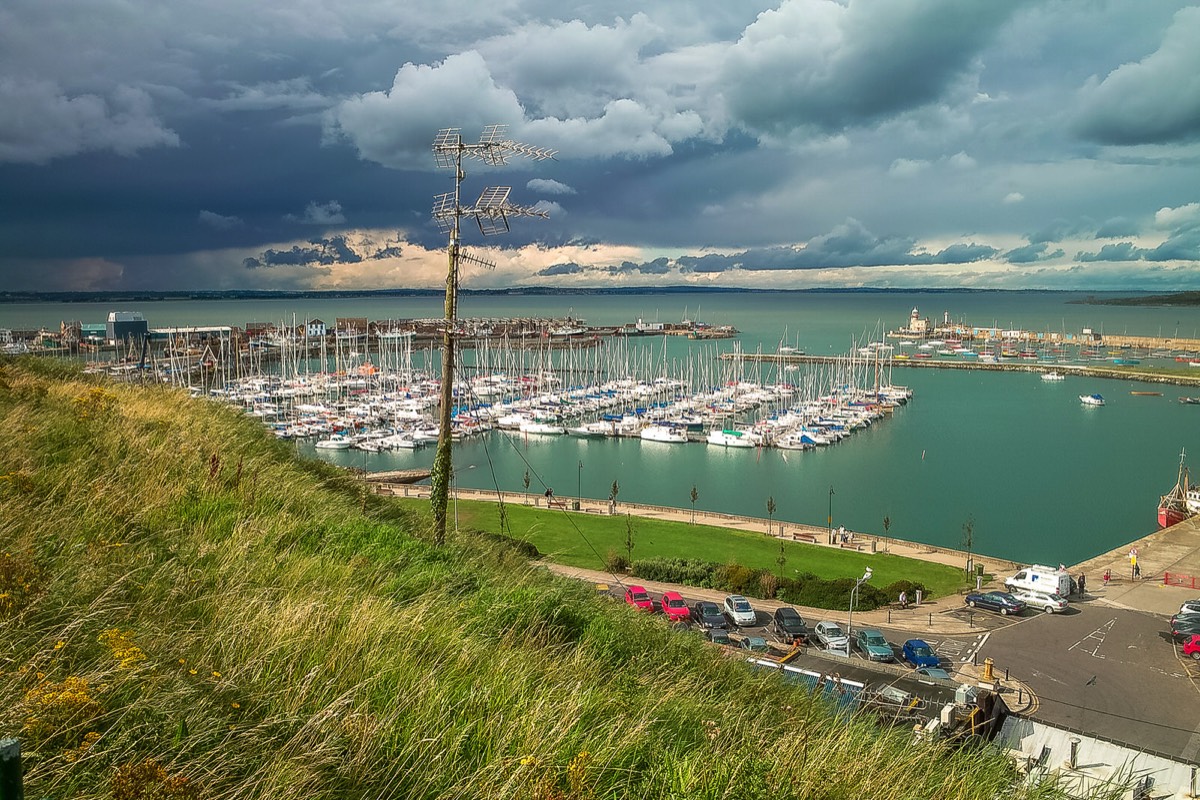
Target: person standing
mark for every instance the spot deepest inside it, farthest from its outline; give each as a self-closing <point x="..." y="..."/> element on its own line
<point x="1082" y="585"/>
<point x="903" y="599"/>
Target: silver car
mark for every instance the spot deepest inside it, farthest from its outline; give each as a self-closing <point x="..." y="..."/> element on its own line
<point x="738" y="609"/>
<point x="831" y="636"/>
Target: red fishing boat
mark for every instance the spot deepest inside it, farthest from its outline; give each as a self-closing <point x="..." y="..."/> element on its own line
<point x="1173" y="507"/>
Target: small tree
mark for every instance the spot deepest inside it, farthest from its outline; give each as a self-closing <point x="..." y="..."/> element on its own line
<point x="525" y="481"/>
<point x="887" y="524"/>
<point x="781" y="559"/>
<point x="504" y="528"/>
<point x="695" y="496"/>
<point x="629" y="538"/>
<point x="770" y="513"/>
<point x="612" y="495"/>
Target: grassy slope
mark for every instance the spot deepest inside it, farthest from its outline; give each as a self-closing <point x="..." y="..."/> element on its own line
<point x="583" y="540"/>
<point x="176" y="587"/>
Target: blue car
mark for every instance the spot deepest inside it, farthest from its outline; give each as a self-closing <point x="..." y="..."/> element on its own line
<point x="1002" y="602"/>
<point x="920" y="654"/>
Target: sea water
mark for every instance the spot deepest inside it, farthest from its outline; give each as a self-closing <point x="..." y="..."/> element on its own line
<point x="1036" y="476"/>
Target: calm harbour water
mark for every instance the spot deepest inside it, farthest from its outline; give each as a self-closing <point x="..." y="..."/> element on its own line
<point x="1043" y="478"/>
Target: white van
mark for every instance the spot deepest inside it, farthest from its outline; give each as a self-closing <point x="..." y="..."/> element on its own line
<point x="1050" y="602"/>
<point x="1037" y="578"/>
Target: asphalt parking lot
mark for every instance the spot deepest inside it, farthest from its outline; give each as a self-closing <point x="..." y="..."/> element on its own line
<point x="1112" y="671"/>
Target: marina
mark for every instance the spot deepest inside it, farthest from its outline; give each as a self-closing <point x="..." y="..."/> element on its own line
<point x="1002" y="447"/>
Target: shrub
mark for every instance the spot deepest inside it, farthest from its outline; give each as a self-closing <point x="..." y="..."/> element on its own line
<point x="616" y="562"/>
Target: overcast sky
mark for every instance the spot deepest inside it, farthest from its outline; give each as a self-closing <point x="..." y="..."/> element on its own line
<point x="794" y="144"/>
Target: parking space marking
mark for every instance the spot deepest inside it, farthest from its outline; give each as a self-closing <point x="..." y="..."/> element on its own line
<point x="958" y="650"/>
<point x="1094" y="639"/>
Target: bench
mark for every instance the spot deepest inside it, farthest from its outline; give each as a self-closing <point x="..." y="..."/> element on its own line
<point x="562" y="504"/>
<point x="850" y="545"/>
<point x="804" y="537"/>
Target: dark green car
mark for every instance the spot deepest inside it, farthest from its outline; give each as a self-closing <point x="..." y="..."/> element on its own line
<point x="873" y="645"/>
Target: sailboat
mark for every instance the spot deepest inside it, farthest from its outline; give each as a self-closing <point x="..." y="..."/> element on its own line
<point x="1173" y="508"/>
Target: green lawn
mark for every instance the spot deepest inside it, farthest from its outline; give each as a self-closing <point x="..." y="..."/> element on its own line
<point x="583" y="540"/>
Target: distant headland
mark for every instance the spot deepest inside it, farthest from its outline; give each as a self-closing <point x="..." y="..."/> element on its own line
<point x="1176" y="299"/>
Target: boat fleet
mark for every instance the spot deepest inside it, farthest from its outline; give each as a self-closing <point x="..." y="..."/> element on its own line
<point x="376" y="410"/>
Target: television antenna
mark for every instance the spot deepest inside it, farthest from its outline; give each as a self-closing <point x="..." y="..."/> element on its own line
<point x="491" y="212"/>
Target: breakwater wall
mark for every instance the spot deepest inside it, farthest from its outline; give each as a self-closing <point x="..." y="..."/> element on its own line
<point x="1125" y="373"/>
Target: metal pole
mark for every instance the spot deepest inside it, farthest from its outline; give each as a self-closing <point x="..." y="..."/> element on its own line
<point x="11" y="785"/>
<point x="439" y="490"/>
<point x="579" y="484"/>
<point x="830" y="520"/>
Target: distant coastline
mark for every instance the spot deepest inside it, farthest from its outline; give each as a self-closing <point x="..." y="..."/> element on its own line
<point x="517" y="291"/>
<point x="1176" y="299"/>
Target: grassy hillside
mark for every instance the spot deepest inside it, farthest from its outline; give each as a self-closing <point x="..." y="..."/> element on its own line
<point x="188" y="611"/>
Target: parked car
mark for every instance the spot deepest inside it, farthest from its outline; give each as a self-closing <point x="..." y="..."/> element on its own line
<point x="674" y="607"/>
<point x="788" y="626"/>
<point x="920" y="654"/>
<point x="739" y="610"/>
<point x="755" y="644"/>
<point x="933" y="672"/>
<point x="1184" y="625"/>
<point x="639" y="598"/>
<point x="1002" y="602"/>
<point x="1050" y="602"/>
<point x="718" y="636"/>
<point x="872" y="644"/>
<point x="1190" y="607"/>
<point x="707" y="614"/>
<point x="831" y="636"/>
<point x="1192" y="647"/>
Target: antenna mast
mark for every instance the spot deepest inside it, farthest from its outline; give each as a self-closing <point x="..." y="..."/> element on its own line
<point x="491" y="212"/>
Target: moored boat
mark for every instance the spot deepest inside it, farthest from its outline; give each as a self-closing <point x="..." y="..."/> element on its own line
<point x="1091" y="399"/>
<point x="1176" y="505"/>
<point x="1053" y="376"/>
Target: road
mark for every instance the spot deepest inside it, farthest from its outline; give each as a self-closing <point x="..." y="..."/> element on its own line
<point x="1108" y="671"/>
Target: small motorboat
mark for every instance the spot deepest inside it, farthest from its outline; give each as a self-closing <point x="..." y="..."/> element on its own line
<point x="1091" y="399"/>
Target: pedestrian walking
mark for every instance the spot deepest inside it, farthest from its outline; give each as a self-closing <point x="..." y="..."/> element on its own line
<point x="1082" y="585"/>
<point x="1107" y="577"/>
<point x="1137" y="571"/>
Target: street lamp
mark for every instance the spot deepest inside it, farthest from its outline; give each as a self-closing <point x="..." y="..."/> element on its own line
<point x="853" y="596"/>
<point x="579" y="484"/>
<point x="830" y="520"/>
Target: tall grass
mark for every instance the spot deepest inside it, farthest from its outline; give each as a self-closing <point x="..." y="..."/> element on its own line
<point x="195" y="613"/>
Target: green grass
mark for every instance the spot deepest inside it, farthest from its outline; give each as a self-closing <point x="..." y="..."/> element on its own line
<point x="186" y="610"/>
<point x="584" y="540"/>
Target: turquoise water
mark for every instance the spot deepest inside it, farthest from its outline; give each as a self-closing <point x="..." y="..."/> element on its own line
<point x="1043" y="478"/>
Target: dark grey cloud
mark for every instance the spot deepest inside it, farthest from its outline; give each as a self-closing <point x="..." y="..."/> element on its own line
<point x="333" y="250"/>
<point x="560" y="269"/>
<point x="659" y="266"/>
<point x="1031" y="253"/>
<point x="1116" y="228"/>
<point x="1182" y="246"/>
<point x="1152" y="101"/>
<point x="830" y="66"/>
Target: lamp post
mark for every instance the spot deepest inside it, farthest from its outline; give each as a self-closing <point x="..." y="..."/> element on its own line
<point x="853" y="596"/>
<point x="579" y="484"/>
<point x="830" y="520"/>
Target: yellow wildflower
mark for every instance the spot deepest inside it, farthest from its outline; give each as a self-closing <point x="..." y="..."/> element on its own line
<point x="235" y="705"/>
<point x="191" y="672"/>
<point x="60" y="644"/>
<point x="216" y="674"/>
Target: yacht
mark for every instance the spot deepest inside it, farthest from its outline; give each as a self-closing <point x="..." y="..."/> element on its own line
<point x="1091" y="399"/>
<point x="338" y="441"/>
<point x="1052" y="376"/>
<point x="664" y="433"/>
<point x="731" y="438"/>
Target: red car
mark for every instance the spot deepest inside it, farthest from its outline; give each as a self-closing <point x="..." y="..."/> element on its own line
<point x="674" y="607"/>
<point x="1192" y="647"/>
<point x="639" y="598"/>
